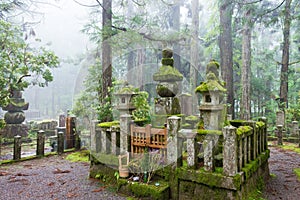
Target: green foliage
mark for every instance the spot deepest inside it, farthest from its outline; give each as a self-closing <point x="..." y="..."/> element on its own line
<point x="79" y="156"/>
<point x="18" y="60"/>
<point x="142" y="112"/>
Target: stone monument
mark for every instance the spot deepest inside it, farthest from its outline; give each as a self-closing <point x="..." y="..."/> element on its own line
<point x="15" y="116"/>
<point x="212" y="111"/>
<point x="168" y="78"/>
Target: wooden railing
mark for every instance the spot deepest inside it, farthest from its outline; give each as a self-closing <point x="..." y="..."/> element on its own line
<point x="148" y="137"/>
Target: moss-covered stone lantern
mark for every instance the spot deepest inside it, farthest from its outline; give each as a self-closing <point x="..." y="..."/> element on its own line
<point x="14" y="117"/>
<point x="124" y="96"/>
<point x="167" y="88"/>
<point x="212" y="111"/>
<point x="167" y="76"/>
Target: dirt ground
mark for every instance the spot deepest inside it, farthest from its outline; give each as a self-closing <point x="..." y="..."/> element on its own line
<point x="283" y="183"/>
<point x="56" y="178"/>
<point x="50" y="178"/>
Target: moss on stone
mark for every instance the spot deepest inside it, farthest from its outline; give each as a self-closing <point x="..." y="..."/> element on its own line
<point x="79" y="156"/>
<point x="212" y="84"/>
<point x="167" y="73"/>
<point x="260" y="124"/>
<point x="206" y="132"/>
<point x="167" y="61"/>
<point x="167" y="53"/>
<point x="242" y="130"/>
<point x="109" y="124"/>
<point x="192" y="118"/>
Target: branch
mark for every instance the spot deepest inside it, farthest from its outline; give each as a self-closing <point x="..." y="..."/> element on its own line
<point x="139" y="4"/>
<point x="291" y="63"/>
<point x="269" y="11"/>
<point x="20" y="79"/>
<point x="85" y="5"/>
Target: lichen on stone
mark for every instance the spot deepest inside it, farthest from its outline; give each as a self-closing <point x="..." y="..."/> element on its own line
<point x="212" y="84"/>
<point x="167" y="73"/>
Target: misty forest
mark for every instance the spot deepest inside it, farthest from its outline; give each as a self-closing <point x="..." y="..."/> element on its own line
<point x="210" y="64"/>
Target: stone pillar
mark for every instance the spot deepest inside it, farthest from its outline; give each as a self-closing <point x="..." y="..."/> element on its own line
<point x="230" y="151"/>
<point x="77" y="141"/>
<point x="103" y="140"/>
<point x="94" y="137"/>
<point x="40" y="149"/>
<point x="280" y="118"/>
<point x="125" y="121"/>
<point x="209" y="144"/>
<point x="17" y="147"/>
<point x="264" y="134"/>
<point x="60" y="142"/>
<point x="279" y="134"/>
<point x="295" y="129"/>
<point x="114" y="140"/>
<point x="192" y="150"/>
<point x="173" y="146"/>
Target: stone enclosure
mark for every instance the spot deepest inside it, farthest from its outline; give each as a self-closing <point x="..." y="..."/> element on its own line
<point x="200" y="157"/>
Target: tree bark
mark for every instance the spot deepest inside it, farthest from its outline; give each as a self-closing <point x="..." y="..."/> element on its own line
<point x="194" y="51"/>
<point x="246" y="68"/>
<point x="226" y="9"/>
<point x="285" y="55"/>
<point x="106" y="51"/>
<point x="106" y="48"/>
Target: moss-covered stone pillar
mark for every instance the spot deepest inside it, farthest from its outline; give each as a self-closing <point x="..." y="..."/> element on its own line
<point x="209" y="145"/>
<point x="40" y="143"/>
<point x="17" y="147"/>
<point x="279" y="134"/>
<point x="264" y="134"/>
<point x="230" y="151"/>
<point x="125" y="121"/>
<point x="60" y="142"/>
<point x="174" y="148"/>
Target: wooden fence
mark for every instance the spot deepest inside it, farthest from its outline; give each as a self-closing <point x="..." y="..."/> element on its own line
<point x="148" y="137"/>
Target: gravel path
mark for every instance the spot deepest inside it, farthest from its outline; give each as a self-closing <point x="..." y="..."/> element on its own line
<point x="50" y="178"/>
<point x="285" y="184"/>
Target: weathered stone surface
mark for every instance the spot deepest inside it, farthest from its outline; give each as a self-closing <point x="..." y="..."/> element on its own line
<point x="279" y="134"/>
<point x="125" y="121"/>
<point x="17" y="147"/>
<point x="230" y="154"/>
<point x="295" y="129"/>
<point x="40" y="149"/>
<point x="209" y="144"/>
<point x="11" y="130"/>
<point x="280" y="118"/>
<point x="173" y="140"/>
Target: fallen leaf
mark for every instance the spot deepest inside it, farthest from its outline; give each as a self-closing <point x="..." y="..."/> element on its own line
<point x="51" y="184"/>
<point x="4" y="173"/>
<point x="99" y="189"/>
<point x="59" y="171"/>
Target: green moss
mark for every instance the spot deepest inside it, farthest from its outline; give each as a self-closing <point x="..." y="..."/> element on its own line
<point x="167" y="73"/>
<point x="260" y="124"/>
<point x="167" y="61"/>
<point x="212" y="84"/>
<point x="192" y="118"/>
<point x="152" y="191"/>
<point x="243" y="130"/>
<point x="297" y="172"/>
<point x="252" y="166"/>
<point x="79" y="156"/>
<point x="206" y="132"/>
<point x="292" y="147"/>
<point x="109" y="124"/>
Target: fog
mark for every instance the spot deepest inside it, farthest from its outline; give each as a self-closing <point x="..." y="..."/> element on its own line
<point x="60" y="30"/>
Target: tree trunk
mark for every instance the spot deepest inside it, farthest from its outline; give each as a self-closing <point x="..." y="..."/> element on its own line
<point x="226" y="51"/>
<point x="285" y="56"/>
<point x="246" y="68"/>
<point x="194" y="51"/>
<point x="106" y="51"/>
<point x="176" y="26"/>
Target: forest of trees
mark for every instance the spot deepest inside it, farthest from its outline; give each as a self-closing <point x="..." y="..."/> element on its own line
<point x="256" y="42"/>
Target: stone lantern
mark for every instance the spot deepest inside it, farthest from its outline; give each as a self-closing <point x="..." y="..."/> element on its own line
<point x="15" y="116"/>
<point x="168" y="78"/>
<point x="124" y="96"/>
<point x="212" y="111"/>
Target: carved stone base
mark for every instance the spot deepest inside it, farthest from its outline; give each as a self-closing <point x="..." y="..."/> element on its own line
<point x="11" y="130"/>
